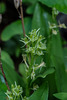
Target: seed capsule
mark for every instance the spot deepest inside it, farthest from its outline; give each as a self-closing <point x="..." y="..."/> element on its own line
<point x="16" y="4"/>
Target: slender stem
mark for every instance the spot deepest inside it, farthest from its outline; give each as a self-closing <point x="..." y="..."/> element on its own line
<point x="22" y="17"/>
<point x="27" y="81"/>
<point x="27" y="87"/>
<point x="3" y="72"/>
<point x="29" y="74"/>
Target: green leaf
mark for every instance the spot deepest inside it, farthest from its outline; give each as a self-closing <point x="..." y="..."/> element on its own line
<point x="41" y="93"/>
<point x="47" y="72"/>
<point x="3" y="89"/>
<point x="30" y="9"/>
<point x="56" y="60"/>
<point x="7" y="59"/>
<point x="2" y="8"/>
<point x="10" y="73"/>
<point x="61" y="95"/>
<point x="30" y="1"/>
<point x="16" y="28"/>
<point x="60" y="5"/>
<point x="40" y="19"/>
<point x="65" y="57"/>
<point x="2" y="96"/>
<point x="22" y="71"/>
<point x="43" y="73"/>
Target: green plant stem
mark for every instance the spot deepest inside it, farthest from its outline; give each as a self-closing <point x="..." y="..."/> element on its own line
<point x="27" y="84"/>
<point x="27" y="88"/>
<point x="28" y="73"/>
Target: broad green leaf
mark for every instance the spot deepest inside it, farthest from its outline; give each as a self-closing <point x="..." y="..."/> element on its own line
<point x="16" y="28"/>
<point x="65" y="56"/>
<point x="56" y="59"/>
<point x="41" y="93"/>
<point x="15" y="44"/>
<point x="12" y="75"/>
<point x="7" y="59"/>
<point x="2" y="96"/>
<point x="2" y="8"/>
<point x="61" y="95"/>
<point x="29" y="1"/>
<point x="30" y="9"/>
<point x="9" y="71"/>
<point x="40" y="19"/>
<point x="60" y="5"/>
<point x="3" y="89"/>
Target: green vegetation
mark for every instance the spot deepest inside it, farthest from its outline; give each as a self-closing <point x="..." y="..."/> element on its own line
<point x="42" y="73"/>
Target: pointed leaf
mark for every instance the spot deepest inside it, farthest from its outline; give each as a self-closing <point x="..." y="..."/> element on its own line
<point x="47" y="72"/>
<point x="9" y="71"/>
<point x="7" y="59"/>
<point x="41" y="93"/>
<point x="56" y="60"/>
<point x="44" y="73"/>
<point x="61" y="95"/>
<point x="60" y="5"/>
<point x="41" y="18"/>
<point x="16" y="28"/>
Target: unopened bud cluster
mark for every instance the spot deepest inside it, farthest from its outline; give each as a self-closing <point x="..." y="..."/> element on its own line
<point x="15" y="93"/>
<point x="34" y="43"/>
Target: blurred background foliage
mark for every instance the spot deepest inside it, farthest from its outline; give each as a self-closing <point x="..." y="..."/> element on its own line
<point x="37" y="14"/>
